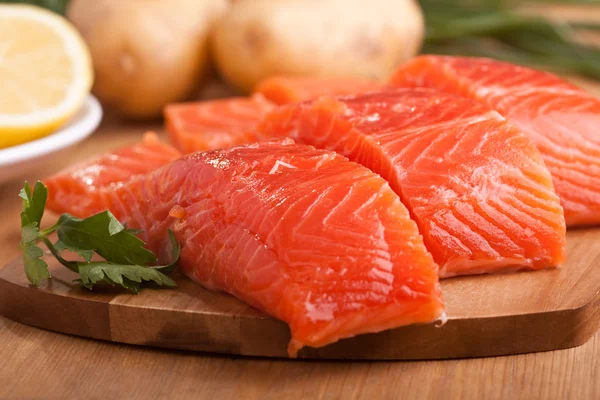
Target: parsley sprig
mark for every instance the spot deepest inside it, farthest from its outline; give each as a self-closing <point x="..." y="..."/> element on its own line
<point x="126" y="263"/>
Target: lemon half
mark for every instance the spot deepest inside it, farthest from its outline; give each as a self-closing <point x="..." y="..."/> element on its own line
<point x="45" y="73"/>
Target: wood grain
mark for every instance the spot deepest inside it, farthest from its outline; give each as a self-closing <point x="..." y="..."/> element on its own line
<point x="487" y="315"/>
<point x="46" y="365"/>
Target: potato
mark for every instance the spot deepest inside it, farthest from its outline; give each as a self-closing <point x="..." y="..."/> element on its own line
<point x="343" y="38"/>
<point x="146" y="53"/>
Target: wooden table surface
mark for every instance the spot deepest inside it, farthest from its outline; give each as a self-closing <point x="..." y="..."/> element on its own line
<point x="40" y="364"/>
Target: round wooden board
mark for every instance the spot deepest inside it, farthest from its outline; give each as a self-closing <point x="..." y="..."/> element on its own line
<point x="487" y="315"/>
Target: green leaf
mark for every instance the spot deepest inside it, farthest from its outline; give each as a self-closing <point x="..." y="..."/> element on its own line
<point x="72" y="265"/>
<point x="114" y="226"/>
<point x="85" y="254"/>
<point x="127" y="284"/>
<point x="131" y="285"/>
<point x="29" y="234"/>
<point x="126" y="259"/>
<point x="25" y="193"/>
<point x="33" y="205"/>
<point x="88" y="285"/>
<point x="58" y="6"/>
<point x="175" y="251"/>
<point x="128" y="276"/>
<point x="36" y="269"/>
<point x="132" y="231"/>
<point x="104" y="234"/>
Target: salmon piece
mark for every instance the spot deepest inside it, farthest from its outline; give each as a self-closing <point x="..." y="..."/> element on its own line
<point x="476" y="186"/>
<point x="215" y="124"/>
<point x="77" y="189"/>
<point x="560" y="118"/>
<point x="209" y="125"/>
<point x="294" y="89"/>
<point x="305" y="235"/>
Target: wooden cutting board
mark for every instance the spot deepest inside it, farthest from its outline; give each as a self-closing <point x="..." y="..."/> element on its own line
<point x="487" y="315"/>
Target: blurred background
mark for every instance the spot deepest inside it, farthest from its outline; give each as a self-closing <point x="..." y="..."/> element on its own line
<point x="147" y="53"/>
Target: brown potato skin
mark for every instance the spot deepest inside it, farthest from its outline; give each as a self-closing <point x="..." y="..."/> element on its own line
<point x="146" y="53"/>
<point x="344" y="38"/>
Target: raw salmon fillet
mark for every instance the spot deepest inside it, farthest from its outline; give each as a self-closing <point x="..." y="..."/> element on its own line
<point x="294" y="89"/>
<point x="214" y="124"/>
<point x="560" y="118"/>
<point x="78" y="189"/>
<point x="477" y="187"/>
<point x="305" y="235"/>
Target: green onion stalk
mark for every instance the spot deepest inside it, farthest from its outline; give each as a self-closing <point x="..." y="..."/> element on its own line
<point x="497" y="29"/>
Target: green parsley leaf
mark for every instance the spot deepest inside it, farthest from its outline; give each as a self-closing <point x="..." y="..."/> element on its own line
<point x="36" y="269"/>
<point x="175" y="251"/>
<point x="127" y="262"/>
<point x="125" y="275"/>
<point x="129" y="276"/>
<point x="132" y="231"/>
<point x="33" y="205"/>
<point x="85" y="254"/>
<point x="131" y="285"/>
<point x="32" y="211"/>
<point x="104" y="234"/>
<point x="29" y="234"/>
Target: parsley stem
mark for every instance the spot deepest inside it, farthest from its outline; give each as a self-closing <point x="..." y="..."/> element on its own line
<point x="72" y="265"/>
<point x="47" y="231"/>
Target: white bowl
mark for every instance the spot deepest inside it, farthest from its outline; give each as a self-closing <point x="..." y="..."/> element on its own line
<point x="17" y="161"/>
